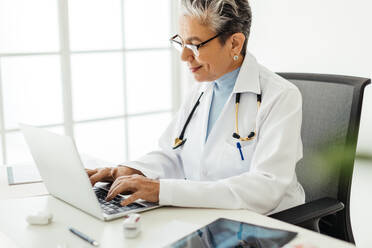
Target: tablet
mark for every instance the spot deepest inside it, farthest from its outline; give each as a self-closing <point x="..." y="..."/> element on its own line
<point x="223" y="233"/>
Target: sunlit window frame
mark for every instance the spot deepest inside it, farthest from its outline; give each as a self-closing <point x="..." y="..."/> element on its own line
<point x="65" y="61"/>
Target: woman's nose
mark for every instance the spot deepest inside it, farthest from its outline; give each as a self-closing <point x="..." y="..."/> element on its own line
<point x="187" y="54"/>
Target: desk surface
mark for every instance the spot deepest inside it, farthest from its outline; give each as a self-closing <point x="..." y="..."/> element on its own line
<point x="159" y="226"/>
<point x="18" y="191"/>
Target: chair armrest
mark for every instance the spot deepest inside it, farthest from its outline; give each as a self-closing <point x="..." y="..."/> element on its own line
<point x="309" y="211"/>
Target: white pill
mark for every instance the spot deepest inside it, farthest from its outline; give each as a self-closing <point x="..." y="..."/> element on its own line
<point x="39" y="218"/>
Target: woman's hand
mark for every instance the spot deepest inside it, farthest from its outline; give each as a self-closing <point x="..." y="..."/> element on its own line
<point x="109" y="174"/>
<point x="140" y="186"/>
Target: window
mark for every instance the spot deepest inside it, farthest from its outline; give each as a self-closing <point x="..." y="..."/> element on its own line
<point x="99" y="71"/>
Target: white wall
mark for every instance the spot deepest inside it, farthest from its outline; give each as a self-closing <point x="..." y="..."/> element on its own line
<point x="319" y="36"/>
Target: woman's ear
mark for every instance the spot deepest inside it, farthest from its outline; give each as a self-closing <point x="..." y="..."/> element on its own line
<point x="237" y="42"/>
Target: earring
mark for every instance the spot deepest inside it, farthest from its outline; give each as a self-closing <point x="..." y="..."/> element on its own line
<point x="236" y="57"/>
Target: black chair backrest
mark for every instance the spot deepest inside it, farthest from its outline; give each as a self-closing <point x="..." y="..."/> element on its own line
<point x="331" y="115"/>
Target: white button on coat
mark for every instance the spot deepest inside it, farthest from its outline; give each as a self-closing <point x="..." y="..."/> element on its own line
<point x="216" y="176"/>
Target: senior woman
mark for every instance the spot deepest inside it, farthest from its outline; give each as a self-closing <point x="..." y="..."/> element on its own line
<point x="236" y="139"/>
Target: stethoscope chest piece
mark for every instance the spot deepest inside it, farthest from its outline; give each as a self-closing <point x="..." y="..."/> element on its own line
<point x="178" y="142"/>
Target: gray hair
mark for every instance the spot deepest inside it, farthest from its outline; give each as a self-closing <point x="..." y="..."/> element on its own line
<point x="222" y="16"/>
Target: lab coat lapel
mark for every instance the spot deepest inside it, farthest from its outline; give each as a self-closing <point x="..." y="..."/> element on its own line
<point x="248" y="78"/>
<point x="199" y="123"/>
<point x="205" y="114"/>
<point x="192" y="151"/>
<point x="222" y="123"/>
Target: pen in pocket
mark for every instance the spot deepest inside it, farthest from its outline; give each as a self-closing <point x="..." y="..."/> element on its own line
<point x="238" y="145"/>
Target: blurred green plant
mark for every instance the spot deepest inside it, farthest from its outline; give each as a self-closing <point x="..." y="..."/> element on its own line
<point x="340" y="154"/>
<point x="364" y="156"/>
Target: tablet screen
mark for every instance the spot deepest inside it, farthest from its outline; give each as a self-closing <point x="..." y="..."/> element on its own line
<point x="223" y="233"/>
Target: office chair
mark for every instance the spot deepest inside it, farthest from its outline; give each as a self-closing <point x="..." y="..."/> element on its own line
<point x="331" y="113"/>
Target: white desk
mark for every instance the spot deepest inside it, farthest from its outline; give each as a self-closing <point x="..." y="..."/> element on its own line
<point x="159" y="227"/>
<point x="18" y="191"/>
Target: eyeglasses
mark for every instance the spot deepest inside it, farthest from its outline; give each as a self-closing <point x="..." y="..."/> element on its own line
<point x="178" y="43"/>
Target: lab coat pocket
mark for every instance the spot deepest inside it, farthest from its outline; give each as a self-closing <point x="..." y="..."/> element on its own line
<point x="233" y="162"/>
<point x="246" y="148"/>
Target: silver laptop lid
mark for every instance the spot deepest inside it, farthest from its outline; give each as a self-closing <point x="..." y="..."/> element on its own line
<point x="61" y="168"/>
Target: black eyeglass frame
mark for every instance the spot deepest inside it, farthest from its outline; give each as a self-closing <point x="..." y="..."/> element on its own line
<point x="192" y="45"/>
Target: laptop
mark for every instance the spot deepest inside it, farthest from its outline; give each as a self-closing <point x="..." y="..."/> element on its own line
<point x="63" y="173"/>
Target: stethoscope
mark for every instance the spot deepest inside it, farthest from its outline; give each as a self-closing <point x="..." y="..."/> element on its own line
<point x="180" y="141"/>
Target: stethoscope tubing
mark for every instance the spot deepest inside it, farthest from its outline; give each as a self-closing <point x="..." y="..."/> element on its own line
<point x="179" y="141"/>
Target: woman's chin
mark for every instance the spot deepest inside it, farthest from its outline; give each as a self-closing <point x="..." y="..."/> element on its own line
<point x="200" y="78"/>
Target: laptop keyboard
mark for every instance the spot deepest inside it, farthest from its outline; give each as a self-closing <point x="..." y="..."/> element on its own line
<point x="113" y="206"/>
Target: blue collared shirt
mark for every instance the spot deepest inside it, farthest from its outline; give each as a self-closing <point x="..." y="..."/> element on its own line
<point x="222" y="89"/>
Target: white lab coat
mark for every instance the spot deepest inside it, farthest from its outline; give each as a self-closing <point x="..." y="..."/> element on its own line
<point x="211" y="173"/>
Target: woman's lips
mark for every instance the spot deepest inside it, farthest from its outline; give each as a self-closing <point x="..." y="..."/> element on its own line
<point x="194" y="69"/>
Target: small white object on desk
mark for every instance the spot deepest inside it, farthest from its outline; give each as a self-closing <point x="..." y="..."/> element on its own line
<point x="40" y="218"/>
<point x="132" y="225"/>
